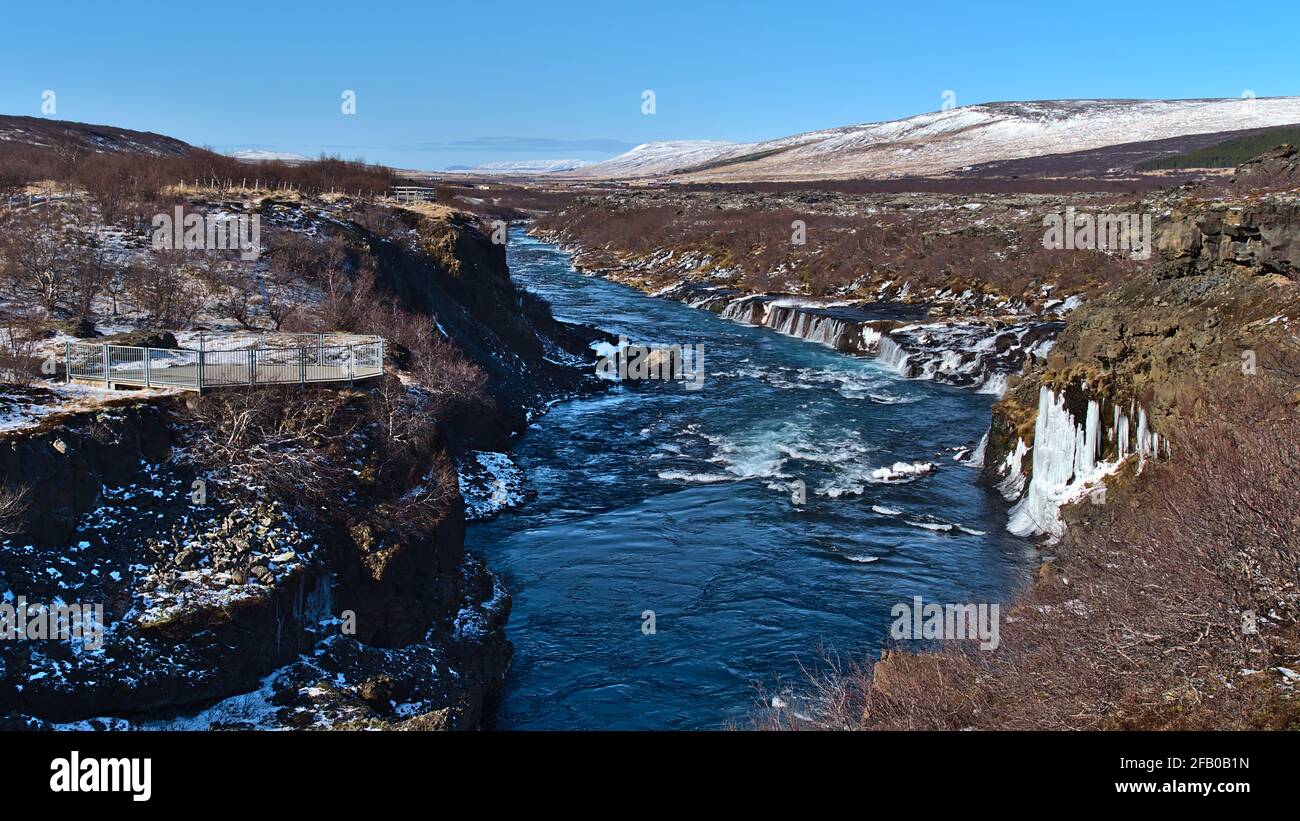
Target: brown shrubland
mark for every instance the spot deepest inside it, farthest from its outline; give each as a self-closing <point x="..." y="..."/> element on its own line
<point x="839" y="250"/>
<point x="1137" y="623"/>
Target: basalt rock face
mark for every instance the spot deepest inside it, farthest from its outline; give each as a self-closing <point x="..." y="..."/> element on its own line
<point x="1259" y="237"/>
<point x="452" y="271"/>
<point x="247" y="608"/>
<point x="65" y="466"/>
<point x="1278" y="169"/>
<point x="234" y="597"/>
<point x="1219" y="303"/>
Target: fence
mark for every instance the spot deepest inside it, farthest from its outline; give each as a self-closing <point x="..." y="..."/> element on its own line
<point x="260" y="364"/>
<point x="413" y="193"/>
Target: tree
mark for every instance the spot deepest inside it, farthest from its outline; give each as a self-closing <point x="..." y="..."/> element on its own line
<point x="36" y="247"/>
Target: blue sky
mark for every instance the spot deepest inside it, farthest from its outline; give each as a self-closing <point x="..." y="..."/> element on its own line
<point x="443" y="83"/>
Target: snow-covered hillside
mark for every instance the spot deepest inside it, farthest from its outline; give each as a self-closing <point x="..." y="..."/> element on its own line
<point x="39" y="131"/>
<point x="521" y="167"/>
<point x="944" y="141"/>
<point x="649" y="159"/>
<point x="263" y="155"/>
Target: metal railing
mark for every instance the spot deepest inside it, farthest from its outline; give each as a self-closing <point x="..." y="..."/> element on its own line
<point x="413" y="193"/>
<point x="258" y="364"/>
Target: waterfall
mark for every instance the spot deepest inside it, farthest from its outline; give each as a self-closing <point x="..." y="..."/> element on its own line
<point x="893" y="355"/>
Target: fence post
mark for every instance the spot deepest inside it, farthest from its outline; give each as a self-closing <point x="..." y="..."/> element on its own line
<point x="67" y="361"/>
<point x="302" y="365"/>
<point x="199" y="379"/>
<point x="106" y="382"/>
<point x="252" y="358"/>
<point x="146" y="367"/>
<point x="351" y="353"/>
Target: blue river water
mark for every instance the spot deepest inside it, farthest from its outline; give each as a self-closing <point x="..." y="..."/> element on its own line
<point x="678" y="502"/>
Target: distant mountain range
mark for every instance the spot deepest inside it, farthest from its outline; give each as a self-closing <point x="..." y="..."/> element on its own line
<point x="522" y="167"/>
<point x="262" y="155"/>
<point x="946" y="142"/>
<point x="1040" y="138"/>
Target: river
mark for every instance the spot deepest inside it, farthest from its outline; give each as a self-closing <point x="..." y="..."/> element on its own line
<point x="671" y="507"/>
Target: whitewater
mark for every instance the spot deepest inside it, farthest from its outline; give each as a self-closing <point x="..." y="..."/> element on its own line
<point x="678" y="558"/>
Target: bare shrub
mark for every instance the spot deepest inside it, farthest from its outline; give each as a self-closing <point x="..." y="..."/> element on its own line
<point x="237" y="297"/>
<point x="90" y="270"/>
<point x="284" y="439"/>
<point x="305" y="446"/>
<point x="20" y="344"/>
<point x="14" y="504"/>
<point x="37" y="251"/>
<point x="162" y="285"/>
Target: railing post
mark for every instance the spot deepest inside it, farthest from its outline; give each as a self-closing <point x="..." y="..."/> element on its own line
<point x="146" y="367"/>
<point x="351" y="354"/>
<point x="105" y="352"/>
<point x="199" y="379"/>
<point x="67" y="361"/>
<point x="252" y="359"/>
<point x="302" y="365"/>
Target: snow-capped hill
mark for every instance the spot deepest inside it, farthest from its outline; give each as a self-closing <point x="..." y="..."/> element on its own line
<point x="263" y="155"/>
<point x="521" y="167"/>
<point x="941" y="142"/>
<point x="648" y="159"/>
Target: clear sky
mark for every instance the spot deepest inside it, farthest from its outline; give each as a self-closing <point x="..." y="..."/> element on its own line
<point x="460" y="83"/>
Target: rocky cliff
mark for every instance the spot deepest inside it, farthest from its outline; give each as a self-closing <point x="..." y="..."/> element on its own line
<point x="233" y="598"/>
<point x="1219" y="304"/>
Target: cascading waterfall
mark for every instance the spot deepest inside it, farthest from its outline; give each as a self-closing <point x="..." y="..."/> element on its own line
<point x="971" y="354"/>
<point x="741" y="310"/>
<point x="893" y="355"/>
<point x="787" y="319"/>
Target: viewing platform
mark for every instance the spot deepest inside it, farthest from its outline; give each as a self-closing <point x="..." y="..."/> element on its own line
<point x="229" y="360"/>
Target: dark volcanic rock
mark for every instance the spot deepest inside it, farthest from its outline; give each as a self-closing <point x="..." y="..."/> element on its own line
<point x="65" y="467"/>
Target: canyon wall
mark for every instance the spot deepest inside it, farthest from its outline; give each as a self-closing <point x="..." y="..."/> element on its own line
<point x="1217" y="306"/>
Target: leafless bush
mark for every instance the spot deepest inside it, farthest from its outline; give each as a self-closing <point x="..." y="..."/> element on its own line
<point x="285" y="439"/>
<point x="14" y="503"/>
<point x="20" y="343"/>
<point x="454" y="381"/>
<point x="314" y="448"/>
<point x="90" y="271"/>
<point x="162" y="285"/>
<point x="37" y="253"/>
<point x="237" y="297"/>
<point x="410" y="458"/>
<point x="280" y="308"/>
